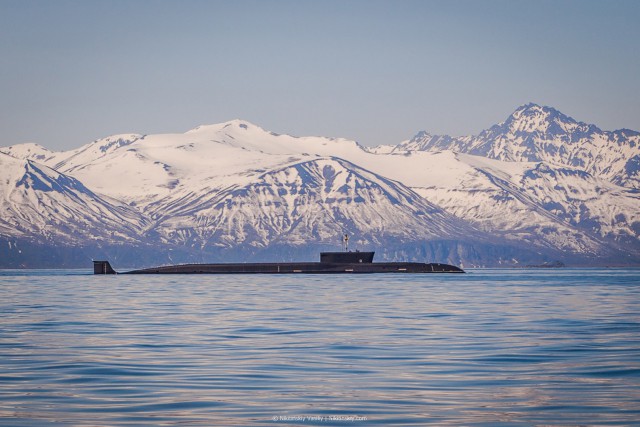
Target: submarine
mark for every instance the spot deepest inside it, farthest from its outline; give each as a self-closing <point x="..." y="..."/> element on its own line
<point x="343" y="262"/>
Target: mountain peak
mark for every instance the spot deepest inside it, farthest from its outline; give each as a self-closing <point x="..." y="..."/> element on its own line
<point x="28" y="150"/>
<point x="237" y="124"/>
<point x="532" y="117"/>
<point x="533" y="107"/>
<point x="420" y="136"/>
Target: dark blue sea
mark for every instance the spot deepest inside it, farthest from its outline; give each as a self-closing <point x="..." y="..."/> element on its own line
<point x="488" y="348"/>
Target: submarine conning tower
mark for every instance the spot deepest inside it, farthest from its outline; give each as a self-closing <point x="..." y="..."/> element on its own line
<point x="347" y="257"/>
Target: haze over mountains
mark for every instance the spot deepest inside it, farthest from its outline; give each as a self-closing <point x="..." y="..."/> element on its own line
<point x="535" y="188"/>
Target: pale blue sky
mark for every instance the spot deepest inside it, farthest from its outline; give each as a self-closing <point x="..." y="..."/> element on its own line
<point x="373" y="71"/>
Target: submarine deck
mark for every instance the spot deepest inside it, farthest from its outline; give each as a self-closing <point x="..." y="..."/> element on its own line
<point x="301" y="268"/>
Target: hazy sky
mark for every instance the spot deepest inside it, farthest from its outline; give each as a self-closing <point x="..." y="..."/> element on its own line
<point x="373" y="71"/>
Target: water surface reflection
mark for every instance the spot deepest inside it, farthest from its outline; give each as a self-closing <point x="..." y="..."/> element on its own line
<point x="489" y="347"/>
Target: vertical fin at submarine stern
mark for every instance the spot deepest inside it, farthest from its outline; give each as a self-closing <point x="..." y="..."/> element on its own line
<point x="102" y="267"/>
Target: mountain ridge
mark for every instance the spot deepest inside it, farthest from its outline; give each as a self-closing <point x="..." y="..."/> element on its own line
<point x="534" y="133"/>
<point x="234" y="190"/>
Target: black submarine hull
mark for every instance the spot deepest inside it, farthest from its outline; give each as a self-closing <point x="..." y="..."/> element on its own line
<point x="330" y="263"/>
<point x="103" y="267"/>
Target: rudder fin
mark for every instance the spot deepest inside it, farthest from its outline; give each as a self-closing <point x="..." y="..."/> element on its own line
<point x="102" y="267"/>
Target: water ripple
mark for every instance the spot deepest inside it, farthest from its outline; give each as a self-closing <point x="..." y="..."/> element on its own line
<point x="493" y="347"/>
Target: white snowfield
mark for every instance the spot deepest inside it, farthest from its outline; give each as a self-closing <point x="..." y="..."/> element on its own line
<point x="538" y="179"/>
<point x="39" y="202"/>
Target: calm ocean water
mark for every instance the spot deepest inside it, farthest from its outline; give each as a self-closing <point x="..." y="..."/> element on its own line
<point x="490" y="348"/>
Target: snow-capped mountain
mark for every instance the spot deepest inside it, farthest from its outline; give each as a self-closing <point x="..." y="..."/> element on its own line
<point x="546" y="205"/>
<point x="41" y="204"/>
<point x="312" y="201"/>
<point x="536" y="133"/>
<point x="231" y="189"/>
